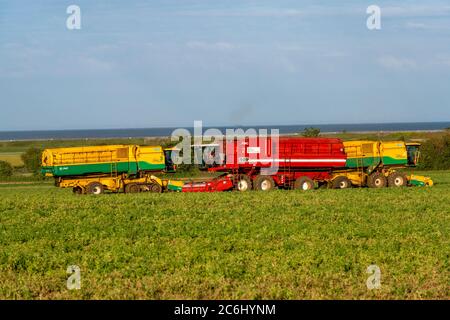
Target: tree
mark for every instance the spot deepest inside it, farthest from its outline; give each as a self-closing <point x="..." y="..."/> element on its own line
<point x="435" y="153"/>
<point x="32" y="160"/>
<point x="6" y="169"/>
<point x="311" y="132"/>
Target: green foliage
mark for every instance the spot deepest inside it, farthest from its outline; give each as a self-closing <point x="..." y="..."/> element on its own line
<point x="188" y="169"/>
<point x="311" y="132"/>
<point x="435" y="153"/>
<point x="255" y="245"/>
<point x="32" y="160"/>
<point x="6" y="169"/>
<point x="385" y="136"/>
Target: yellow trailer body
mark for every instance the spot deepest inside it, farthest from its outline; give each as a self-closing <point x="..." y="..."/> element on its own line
<point x="111" y="159"/>
<point x="371" y="154"/>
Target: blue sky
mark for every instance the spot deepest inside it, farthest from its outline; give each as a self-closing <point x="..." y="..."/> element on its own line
<point x="168" y="63"/>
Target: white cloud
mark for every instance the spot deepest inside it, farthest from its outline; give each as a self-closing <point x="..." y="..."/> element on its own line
<point x="416" y="25"/>
<point x="334" y="54"/>
<point x="442" y="60"/>
<point x="431" y="25"/>
<point x="100" y="48"/>
<point x="94" y="65"/>
<point x="210" y="45"/>
<point x="296" y="47"/>
<point x="288" y="65"/>
<point x="426" y="10"/>
<point x="253" y="12"/>
<point x="21" y="61"/>
<point x="416" y="11"/>
<point x="391" y="62"/>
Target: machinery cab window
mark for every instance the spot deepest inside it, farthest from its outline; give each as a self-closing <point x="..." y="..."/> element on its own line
<point x="413" y="153"/>
<point x="170" y="166"/>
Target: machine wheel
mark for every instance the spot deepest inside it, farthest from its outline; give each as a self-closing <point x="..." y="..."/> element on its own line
<point x="77" y="190"/>
<point x="243" y="183"/>
<point x="132" y="188"/>
<point x="264" y="183"/>
<point x="376" y="180"/>
<point x="397" y="179"/>
<point x="154" y="188"/>
<point x="304" y="183"/>
<point x="341" y="182"/>
<point x="94" y="188"/>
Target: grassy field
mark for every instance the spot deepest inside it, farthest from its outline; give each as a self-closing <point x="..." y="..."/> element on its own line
<point x="12" y="157"/>
<point x="280" y="245"/>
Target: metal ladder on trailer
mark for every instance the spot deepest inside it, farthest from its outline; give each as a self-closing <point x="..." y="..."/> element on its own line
<point x="113" y="166"/>
<point x="360" y="170"/>
<point x="288" y="182"/>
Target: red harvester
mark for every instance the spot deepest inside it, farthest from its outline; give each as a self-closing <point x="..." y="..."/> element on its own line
<point x="295" y="162"/>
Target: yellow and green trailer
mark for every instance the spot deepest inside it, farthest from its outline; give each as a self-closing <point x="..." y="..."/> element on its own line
<point x="93" y="169"/>
<point x="378" y="164"/>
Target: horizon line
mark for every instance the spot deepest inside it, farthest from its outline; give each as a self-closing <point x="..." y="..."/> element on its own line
<point x="222" y="126"/>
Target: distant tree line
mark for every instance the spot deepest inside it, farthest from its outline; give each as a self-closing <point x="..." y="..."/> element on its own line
<point x="311" y="132"/>
<point x="32" y="160"/>
<point x="6" y="169"/>
<point x="435" y="153"/>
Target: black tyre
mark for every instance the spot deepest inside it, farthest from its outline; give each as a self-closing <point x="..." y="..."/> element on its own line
<point x="77" y="190"/>
<point x="341" y="182"/>
<point x="397" y="179"/>
<point x="377" y="180"/>
<point x="304" y="183"/>
<point x="132" y="188"/>
<point x="154" y="188"/>
<point x="264" y="183"/>
<point x="243" y="183"/>
<point x="94" y="188"/>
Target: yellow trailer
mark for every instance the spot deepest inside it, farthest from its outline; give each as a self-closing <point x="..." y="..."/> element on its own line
<point x="378" y="164"/>
<point x="94" y="169"/>
<point x="110" y="159"/>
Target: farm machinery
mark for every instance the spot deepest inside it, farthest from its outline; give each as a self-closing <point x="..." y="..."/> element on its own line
<point x="301" y="163"/>
<point x="378" y="164"/>
<point x="92" y="170"/>
<point x="304" y="162"/>
<point x="298" y="162"/>
<point x="128" y="168"/>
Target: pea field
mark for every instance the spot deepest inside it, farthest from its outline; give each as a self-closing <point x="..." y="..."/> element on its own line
<point x="254" y="245"/>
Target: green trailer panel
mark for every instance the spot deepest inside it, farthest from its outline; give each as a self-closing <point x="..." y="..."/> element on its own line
<point x="105" y="168"/>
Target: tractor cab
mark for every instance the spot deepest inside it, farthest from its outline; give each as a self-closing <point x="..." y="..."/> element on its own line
<point x="413" y="151"/>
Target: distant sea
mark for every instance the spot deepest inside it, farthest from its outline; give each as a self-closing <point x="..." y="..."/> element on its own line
<point x="163" y="132"/>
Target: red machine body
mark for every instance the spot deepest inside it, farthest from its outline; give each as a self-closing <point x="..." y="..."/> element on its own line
<point x="291" y="157"/>
<point x="302" y="153"/>
<point x="223" y="183"/>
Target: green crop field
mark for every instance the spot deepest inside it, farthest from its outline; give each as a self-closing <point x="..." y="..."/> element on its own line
<point x="255" y="245"/>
